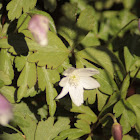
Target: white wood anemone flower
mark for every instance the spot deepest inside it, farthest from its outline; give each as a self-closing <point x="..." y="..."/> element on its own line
<point x="6" y="113"/>
<point x="76" y="81"/>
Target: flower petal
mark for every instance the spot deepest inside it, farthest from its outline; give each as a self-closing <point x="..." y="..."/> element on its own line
<point x="76" y="94"/>
<point x="63" y="81"/>
<point x="39" y="26"/>
<point x="6" y="113"/>
<point x="89" y="83"/>
<point x="68" y="71"/>
<point x="63" y="92"/>
<point x="86" y="71"/>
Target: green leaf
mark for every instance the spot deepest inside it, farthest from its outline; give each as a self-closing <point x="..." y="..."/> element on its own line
<point x="9" y="93"/>
<point x="51" y="21"/>
<point x="4" y="43"/>
<point x="104" y="31"/>
<point x="46" y="79"/>
<point x="129" y="59"/>
<point x="43" y="112"/>
<point x="135" y="102"/>
<point x="83" y="125"/>
<point x="22" y="23"/>
<point x="20" y="62"/>
<point x="86" y="111"/>
<point x="1" y="82"/>
<point x="120" y="20"/>
<point x="5" y="78"/>
<point x="13" y="136"/>
<point x="125" y="86"/>
<point x="22" y="115"/>
<point x="15" y="7"/>
<point x="72" y="134"/>
<point x="31" y="92"/>
<point x="108" y="85"/>
<point x="69" y="11"/>
<point x="103" y="57"/>
<point x="6" y="67"/>
<point x="102" y="99"/>
<point x="90" y="95"/>
<point x="45" y="75"/>
<point x="29" y="131"/>
<point x="82" y="4"/>
<point x="50" y="5"/>
<point x="86" y="19"/>
<point x="128" y="117"/>
<point x="90" y="40"/>
<point x="28" y="75"/>
<point x="26" y="79"/>
<point x="47" y="130"/>
<point x="70" y="30"/>
<point x="112" y="100"/>
<point x="24" y="110"/>
<point x="128" y="3"/>
<point x="49" y="55"/>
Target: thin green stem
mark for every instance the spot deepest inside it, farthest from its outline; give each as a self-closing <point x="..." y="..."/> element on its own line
<point x="135" y="76"/>
<point x="21" y="24"/>
<point x="108" y="114"/>
<point x="112" y="39"/>
<point x="9" y="126"/>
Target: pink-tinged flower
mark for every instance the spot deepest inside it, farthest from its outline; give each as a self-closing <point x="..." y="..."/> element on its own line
<point x="117" y="131"/>
<point x="39" y="26"/>
<point x="139" y="24"/>
<point x="76" y="81"/>
<point x="6" y="113"/>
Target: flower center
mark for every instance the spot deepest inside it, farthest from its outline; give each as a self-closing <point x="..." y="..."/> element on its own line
<point x="73" y="80"/>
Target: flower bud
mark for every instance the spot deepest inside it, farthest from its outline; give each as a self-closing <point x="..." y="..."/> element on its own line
<point x="117" y="131"/>
<point x="39" y="26"/>
<point x="139" y="24"/>
<point x="6" y="113"/>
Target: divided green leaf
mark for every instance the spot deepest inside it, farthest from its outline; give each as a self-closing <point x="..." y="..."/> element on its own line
<point x="46" y="79"/>
<point x="48" y="130"/>
<point x="135" y="102"/>
<point x="52" y="55"/>
<point x="26" y="80"/>
<point x="15" y="7"/>
<point x="6" y="68"/>
<point x="128" y="117"/>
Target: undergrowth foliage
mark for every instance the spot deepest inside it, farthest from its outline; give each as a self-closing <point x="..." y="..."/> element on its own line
<point x="101" y="35"/>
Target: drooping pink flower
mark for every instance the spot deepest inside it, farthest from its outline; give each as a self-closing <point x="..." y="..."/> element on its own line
<point x="139" y="24"/>
<point x="39" y="26"/>
<point x="6" y="113"/>
<point x="117" y="131"/>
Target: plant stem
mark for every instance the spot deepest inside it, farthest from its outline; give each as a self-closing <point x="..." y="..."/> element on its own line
<point x="108" y="114"/>
<point x="20" y="133"/>
<point x="112" y="39"/>
<point x="135" y="76"/>
<point x="21" y="24"/>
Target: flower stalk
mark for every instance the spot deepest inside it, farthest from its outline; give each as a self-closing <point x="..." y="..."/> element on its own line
<point x="112" y="39"/>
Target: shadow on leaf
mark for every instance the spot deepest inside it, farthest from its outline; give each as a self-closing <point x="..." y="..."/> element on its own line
<point x="19" y="44"/>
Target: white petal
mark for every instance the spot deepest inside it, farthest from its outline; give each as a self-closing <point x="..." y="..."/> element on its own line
<point x="5" y="117"/>
<point x="63" y="81"/>
<point x="89" y="83"/>
<point x="76" y="94"/>
<point x="87" y="71"/>
<point x="68" y="71"/>
<point x="63" y="92"/>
